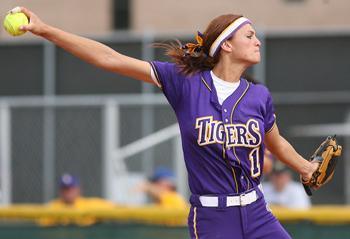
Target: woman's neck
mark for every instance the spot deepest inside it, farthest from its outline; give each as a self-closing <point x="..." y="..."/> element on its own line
<point x="230" y="72"/>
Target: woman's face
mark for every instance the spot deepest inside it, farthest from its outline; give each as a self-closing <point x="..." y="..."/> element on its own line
<point x="245" y="46"/>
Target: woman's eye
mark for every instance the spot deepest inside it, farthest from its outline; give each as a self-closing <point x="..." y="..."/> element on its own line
<point x="250" y="36"/>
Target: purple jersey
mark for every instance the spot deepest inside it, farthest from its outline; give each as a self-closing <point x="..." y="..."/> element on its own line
<point x="222" y="144"/>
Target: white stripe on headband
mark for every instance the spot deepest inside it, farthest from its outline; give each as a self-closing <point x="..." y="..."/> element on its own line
<point x="227" y="33"/>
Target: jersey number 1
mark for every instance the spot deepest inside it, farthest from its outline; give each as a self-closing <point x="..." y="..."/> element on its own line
<point x="254" y="162"/>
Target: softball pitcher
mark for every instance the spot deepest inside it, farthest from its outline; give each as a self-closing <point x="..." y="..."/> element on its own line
<point x="225" y="121"/>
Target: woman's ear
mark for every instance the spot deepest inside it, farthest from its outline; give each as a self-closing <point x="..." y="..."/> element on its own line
<point x="226" y="46"/>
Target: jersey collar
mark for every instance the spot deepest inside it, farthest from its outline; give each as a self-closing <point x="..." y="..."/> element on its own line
<point x="207" y="80"/>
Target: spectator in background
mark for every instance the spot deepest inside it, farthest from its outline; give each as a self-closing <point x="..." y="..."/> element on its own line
<point x="162" y="190"/>
<point x="282" y="191"/>
<point x="70" y="198"/>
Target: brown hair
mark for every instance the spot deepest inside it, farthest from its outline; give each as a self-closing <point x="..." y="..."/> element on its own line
<point x="198" y="59"/>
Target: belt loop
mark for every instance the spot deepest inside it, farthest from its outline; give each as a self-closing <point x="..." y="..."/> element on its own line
<point x="222" y="201"/>
<point x="259" y="190"/>
<point x="194" y="200"/>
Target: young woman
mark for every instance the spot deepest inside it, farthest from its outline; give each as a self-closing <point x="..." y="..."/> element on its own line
<point x="225" y="121"/>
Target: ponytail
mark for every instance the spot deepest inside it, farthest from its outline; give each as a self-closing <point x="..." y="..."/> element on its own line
<point x="190" y="57"/>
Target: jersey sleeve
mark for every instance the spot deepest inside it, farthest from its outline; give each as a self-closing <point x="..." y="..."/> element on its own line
<point x="169" y="80"/>
<point x="270" y="117"/>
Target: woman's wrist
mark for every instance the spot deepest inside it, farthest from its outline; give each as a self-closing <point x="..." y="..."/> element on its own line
<point x="45" y="31"/>
<point x="308" y="169"/>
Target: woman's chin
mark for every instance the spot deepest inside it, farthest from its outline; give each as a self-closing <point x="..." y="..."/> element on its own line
<point x="254" y="61"/>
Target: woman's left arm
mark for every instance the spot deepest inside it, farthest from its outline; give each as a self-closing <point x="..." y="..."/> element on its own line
<point x="285" y="152"/>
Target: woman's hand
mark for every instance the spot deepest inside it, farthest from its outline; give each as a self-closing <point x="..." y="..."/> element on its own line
<point x="313" y="166"/>
<point x="35" y="26"/>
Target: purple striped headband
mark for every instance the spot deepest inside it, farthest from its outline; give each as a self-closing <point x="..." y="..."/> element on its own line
<point x="227" y="33"/>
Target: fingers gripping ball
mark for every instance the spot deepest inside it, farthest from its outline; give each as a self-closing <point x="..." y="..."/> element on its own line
<point x="13" y="21"/>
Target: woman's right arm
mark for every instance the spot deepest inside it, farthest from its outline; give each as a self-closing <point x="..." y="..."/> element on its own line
<point x="88" y="50"/>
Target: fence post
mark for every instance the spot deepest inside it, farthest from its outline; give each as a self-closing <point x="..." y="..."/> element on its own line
<point x="110" y="139"/>
<point x="49" y="134"/>
<point x="5" y="155"/>
<point x="147" y="120"/>
<point x="180" y="168"/>
<point x="346" y="157"/>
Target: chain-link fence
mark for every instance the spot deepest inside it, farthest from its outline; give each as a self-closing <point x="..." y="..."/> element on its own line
<point x="47" y="140"/>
